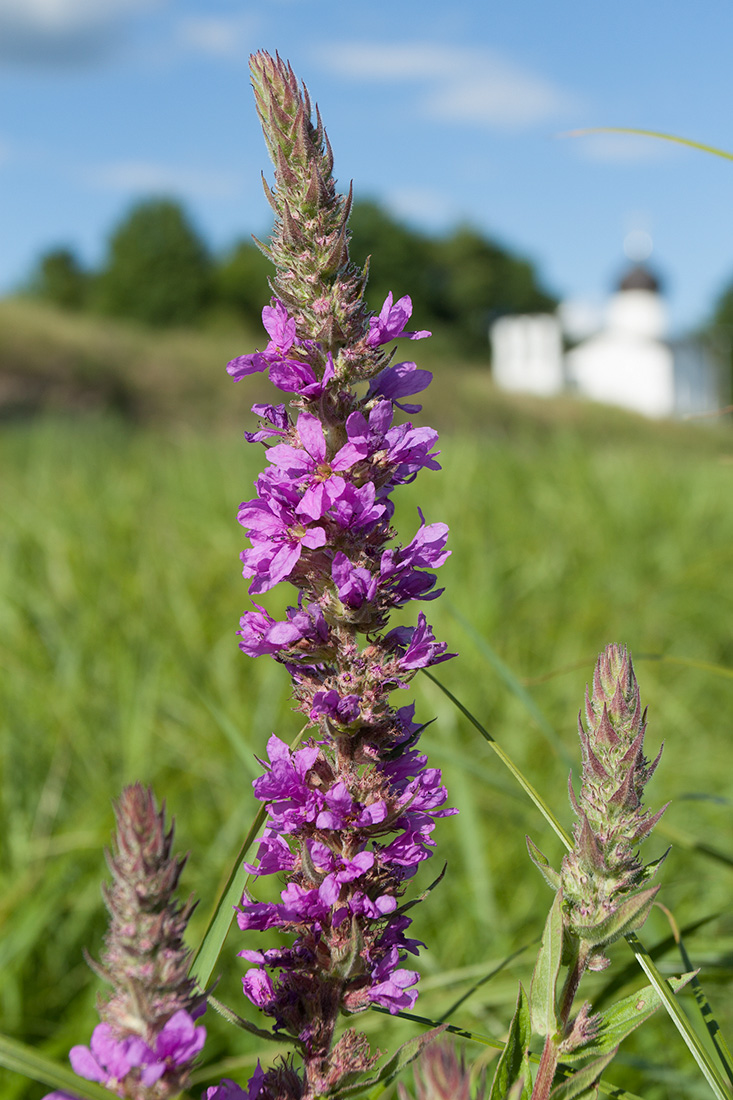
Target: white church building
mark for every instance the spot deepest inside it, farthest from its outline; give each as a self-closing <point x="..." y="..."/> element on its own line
<point x="626" y="361"/>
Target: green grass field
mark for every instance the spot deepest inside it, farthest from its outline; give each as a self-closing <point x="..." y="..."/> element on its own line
<point x="572" y="526"/>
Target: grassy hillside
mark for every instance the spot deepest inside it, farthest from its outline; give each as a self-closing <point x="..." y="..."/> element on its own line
<point x="571" y="526"/>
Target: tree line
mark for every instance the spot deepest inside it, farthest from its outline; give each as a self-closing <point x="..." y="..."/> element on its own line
<point x="159" y="271"/>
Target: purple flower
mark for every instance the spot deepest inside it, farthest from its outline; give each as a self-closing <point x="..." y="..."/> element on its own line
<point x="229" y="1090"/>
<point x="350" y="814"/>
<point x="401" y="380"/>
<point x="107" y="1059"/>
<point x="278" y="537"/>
<point x="390" y="323"/>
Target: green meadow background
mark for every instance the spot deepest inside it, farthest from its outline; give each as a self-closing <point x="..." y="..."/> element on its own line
<point x="572" y="526"/>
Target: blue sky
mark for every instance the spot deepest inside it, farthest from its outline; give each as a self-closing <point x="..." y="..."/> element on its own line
<point x="445" y="115"/>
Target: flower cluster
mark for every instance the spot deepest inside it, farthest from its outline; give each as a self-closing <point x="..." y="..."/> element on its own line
<point x="351" y="812"/>
<point x="146" y="1044"/>
<point x="603" y="878"/>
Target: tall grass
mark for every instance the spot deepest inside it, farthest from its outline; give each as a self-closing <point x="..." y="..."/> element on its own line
<point x="120" y="596"/>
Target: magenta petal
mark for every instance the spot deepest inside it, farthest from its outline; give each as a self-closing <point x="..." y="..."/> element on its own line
<point x="311" y="435"/>
<point x="85" y="1064"/>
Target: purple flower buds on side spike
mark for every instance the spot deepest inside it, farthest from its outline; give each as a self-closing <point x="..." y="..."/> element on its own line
<point x="603" y="878"/>
<point x="148" y="1041"/>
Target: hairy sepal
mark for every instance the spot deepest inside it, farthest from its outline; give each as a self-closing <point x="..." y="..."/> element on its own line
<point x="628" y="917"/>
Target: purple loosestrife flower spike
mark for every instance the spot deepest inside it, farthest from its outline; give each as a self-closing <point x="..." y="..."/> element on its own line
<point x="350" y="814"/>
<point x="441" y="1075"/>
<point x="603" y="879"/>
<point x="147" y="1042"/>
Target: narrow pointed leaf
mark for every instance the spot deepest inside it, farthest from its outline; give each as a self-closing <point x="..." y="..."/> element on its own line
<point x="622" y="1018"/>
<point x="542" y="863"/>
<point x="513" y="1065"/>
<point x="583" y="1080"/>
<point x="705" y="1063"/>
<point x="29" y="1062"/>
<point x="547" y="967"/>
<point x="208" y="953"/>
<point x="706" y="1013"/>
<point x="426" y="891"/>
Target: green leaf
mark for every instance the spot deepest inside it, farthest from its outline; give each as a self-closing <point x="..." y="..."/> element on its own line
<point x="546" y="969"/>
<point x="513" y="1063"/>
<point x="31" y="1063"/>
<point x="629" y="916"/>
<point x="583" y="1081"/>
<point x="706" y="1065"/>
<point x="622" y="1018"/>
<point x="706" y="1012"/>
<point x="542" y="863"/>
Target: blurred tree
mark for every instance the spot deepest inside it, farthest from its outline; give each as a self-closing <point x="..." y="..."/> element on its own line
<point x="158" y="270"/>
<point x="402" y="260"/>
<point x="60" y="278"/>
<point x="481" y="281"/>
<point x="461" y="282"/>
<point x="718" y="335"/>
<point x="240" y="281"/>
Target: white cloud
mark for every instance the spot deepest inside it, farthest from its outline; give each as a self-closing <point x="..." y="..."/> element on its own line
<point x="63" y="32"/>
<point x="217" y="36"/>
<point x="459" y="83"/>
<point x="147" y="176"/>
<point x="623" y="148"/>
<point x="423" y="205"/>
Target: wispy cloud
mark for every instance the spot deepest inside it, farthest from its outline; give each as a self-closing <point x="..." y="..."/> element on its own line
<point x="63" y="32"/>
<point x="217" y="36"/>
<point x="144" y="177"/>
<point x="458" y="84"/>
<point x="424" y="205"/>
<point x="623" y="148"/>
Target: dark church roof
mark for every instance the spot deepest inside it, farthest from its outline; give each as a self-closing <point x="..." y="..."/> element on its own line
<point x="640" y="277"/>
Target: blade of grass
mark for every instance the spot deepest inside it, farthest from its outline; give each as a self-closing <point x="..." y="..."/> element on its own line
<point x="653" y="134"/>
<point x="692" y="844"/>
<point x="703" y="1004"/>
<point x="29" y="1062"/>
<point x="508" y="763"/>
<point x="705" y="1064"/>
<point x="482" y="981"/>
<point x="217" y="929"/>
<point x="516" y="687"/>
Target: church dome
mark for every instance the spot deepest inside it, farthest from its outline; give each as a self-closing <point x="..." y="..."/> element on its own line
<point x="640" y="277"/>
